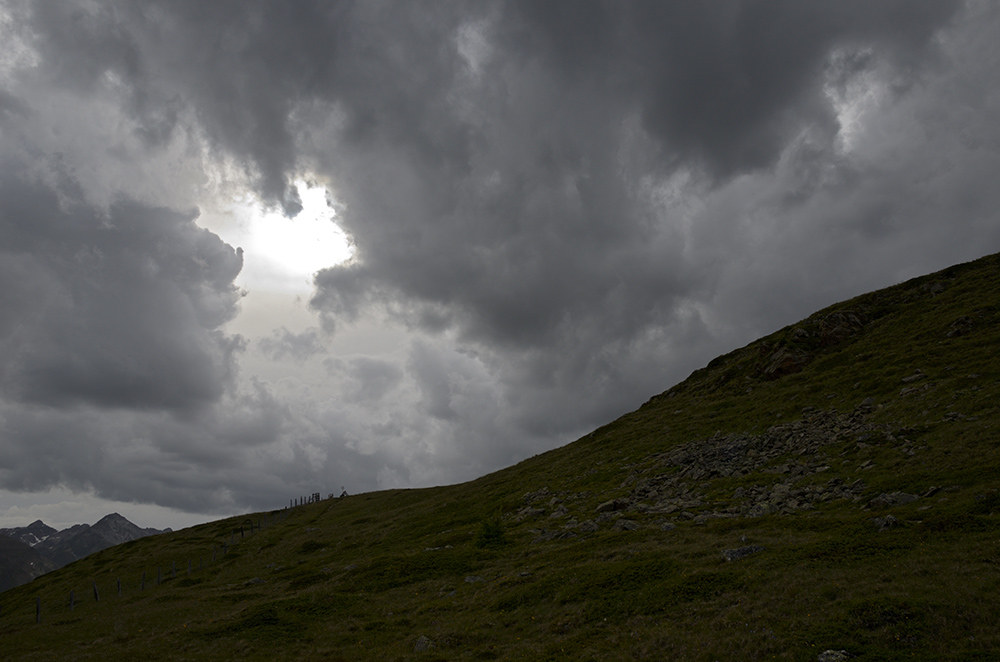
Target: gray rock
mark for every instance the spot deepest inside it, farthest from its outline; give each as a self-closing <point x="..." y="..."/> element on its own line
<point x="535" y="496"/>
<point x="885" y="523"/>
<point x="674" y="480"/>
<point x="587" y="526"/>
<point x="741" y="552"/>
<point x="959" y="327"/>
<point x="833" y="656"/>
<point x="473" y="579"/>
<point x="422" y="644"/>
<point x="546" y="536"/>
<point x="625" y="525"/>
<point x="612" y="505"/>
<point x="761" y="509"/>
<point x="887" y="500"/>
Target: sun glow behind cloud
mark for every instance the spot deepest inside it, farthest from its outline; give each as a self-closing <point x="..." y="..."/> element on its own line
<point x="282" y="254"/>
<point x="305" y="244"/>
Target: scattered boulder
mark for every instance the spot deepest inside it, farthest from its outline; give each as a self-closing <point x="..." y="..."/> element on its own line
<point x="887" y="500"/>
<point x="674" y="482"/>
<point x="741" y="552"/>
<point x="612" y="505"/>
<point x="833" y="656"/>
<point x="960" y="327"/>
<point x="422" y="644"/>
<point x="545" y="535"/>
<point x="625" y="525"/>
<point x="783" y="361"/>
<point x="528" y="512"/>
<point x="837" y="327"/>
<point x="885" y="523"/>
<point x="677" y="490"/>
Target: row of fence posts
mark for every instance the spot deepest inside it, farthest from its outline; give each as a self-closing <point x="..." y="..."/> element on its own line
<point x="301" y="501"/>
<point x="261" y="523"/>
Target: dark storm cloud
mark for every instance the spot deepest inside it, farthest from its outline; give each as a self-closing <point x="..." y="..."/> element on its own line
<point x="368" y="379"/>
<point x="506" y="201"/>
<point x="569" y="204"/>
<point x="536" y="221"/>
<point x="117" y="309"/>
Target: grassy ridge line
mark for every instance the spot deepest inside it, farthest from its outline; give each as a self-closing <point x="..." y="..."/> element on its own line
<point x="399" y="575"/>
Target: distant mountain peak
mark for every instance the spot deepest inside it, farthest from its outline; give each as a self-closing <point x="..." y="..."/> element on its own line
<point x="58" y="548"/>
<point x="30" y="535"/>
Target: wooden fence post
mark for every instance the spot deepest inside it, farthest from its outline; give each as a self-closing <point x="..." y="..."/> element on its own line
<point x="97" y="598"/>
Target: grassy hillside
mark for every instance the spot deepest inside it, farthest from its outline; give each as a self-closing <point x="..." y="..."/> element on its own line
<point x="847" y="465"/>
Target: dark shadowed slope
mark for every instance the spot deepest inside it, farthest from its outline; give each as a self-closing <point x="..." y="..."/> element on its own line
<point x="19" y="563"/>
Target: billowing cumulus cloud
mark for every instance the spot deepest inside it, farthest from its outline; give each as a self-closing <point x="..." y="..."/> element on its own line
<point x="284" y="344"/>
<point x="114" y="308"/>
<point x="558" y="209"/>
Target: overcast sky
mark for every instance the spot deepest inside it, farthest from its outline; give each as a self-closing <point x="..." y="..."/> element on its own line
<point x="256" y="250"/>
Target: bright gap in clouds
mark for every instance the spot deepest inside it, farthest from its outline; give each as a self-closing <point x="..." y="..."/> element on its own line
<point x="305" y="244"/>
<point x="282" y="254"/>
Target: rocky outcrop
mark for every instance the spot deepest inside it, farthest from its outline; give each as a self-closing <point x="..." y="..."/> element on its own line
<point x="805" y="340"/>
<point x="787" y="467"/>
<point x="792" y="452"/>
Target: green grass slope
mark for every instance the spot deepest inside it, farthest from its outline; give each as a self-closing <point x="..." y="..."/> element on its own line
<point x="850" y="459"/>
